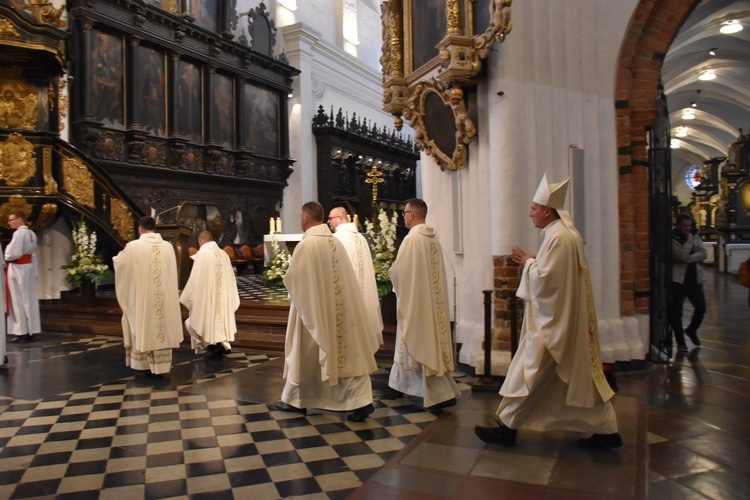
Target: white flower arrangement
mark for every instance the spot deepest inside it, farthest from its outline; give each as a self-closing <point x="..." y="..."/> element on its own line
<point x="85" y="264"/>
<point x="278" y="265"/>
<point x="383" y="244"/>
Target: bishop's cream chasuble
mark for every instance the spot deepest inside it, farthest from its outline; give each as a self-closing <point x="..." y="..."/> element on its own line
<point x="146" y="288"/>
<point x="361" y="259"/>
<point x="211" y="296"/>
<point x="330" y="343"/>
<point x="423" y="360"/>
<point x="555" y="379"/>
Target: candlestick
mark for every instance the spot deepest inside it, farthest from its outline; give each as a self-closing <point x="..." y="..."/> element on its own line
<point x="278" y="225"/>
<point x="271" y="226"/>
<point x="356" y="222"/>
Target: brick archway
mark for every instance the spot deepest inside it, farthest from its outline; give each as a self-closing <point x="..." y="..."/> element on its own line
<point x="652" y="29"/>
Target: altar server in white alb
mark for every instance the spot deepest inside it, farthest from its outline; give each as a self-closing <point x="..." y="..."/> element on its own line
<point x="210" y="295"/>
<point x="23" y="300"/>
<point x="330" y="343"/>
<point x="146" y="288"/>
<point x="359" y="255"/>
<point x="555" y="380"/>
<point x="3" y="346"/>
<point x="423" y="359"/>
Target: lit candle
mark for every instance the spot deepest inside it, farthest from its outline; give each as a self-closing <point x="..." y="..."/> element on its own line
<point x="272" y="226"/>
<point x="278" y="225"/>
<point x="348" y="218"/>
<point x="356" y="222"/>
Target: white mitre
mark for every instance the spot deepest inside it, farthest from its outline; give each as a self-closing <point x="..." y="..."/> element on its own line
<point x="550" y="194"/>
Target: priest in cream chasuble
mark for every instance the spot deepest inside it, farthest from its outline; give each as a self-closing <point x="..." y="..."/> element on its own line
<point x="423" y="359"/>
<point x="211" y="296"/>
<point x="555" y="380"/>
<point x="146" y="288"/>
<point x="330" y="342"/>
<point x="359" y="255"/>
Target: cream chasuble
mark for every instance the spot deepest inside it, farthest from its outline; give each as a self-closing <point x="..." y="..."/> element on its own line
<point x="3" y="338"/>
<point x="359" y="255"/>
<point x="555" y="380"/>
<point x="330" y="343"/>
<point x="423" y="360"/>
<point x="146" y="288"/>
<point x="211" y="296"/>
<point x="23" y="300"/>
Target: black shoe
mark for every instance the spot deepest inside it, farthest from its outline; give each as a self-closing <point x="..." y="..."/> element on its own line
<point x="287" y="407"/>
<point x="444" y="404"/>
<point x="693" y="337"/>
<point x="601" y="441"/>
<point x="497" y="435"/>
<point x="30" y="337"/>
<point x="682" y="348"/>
<point x="214" y="352"/>
<point x="5" y="361"/>
<point x="17" y="338"/>
<point x="360" y="414"/>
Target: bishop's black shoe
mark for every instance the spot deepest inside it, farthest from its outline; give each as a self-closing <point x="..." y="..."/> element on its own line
<point x="601" y="441"/>
<point x="287" y="407"/>
<point x="444" y="404"/>
<point x="360" y="414"/>
<point x="497" y="435"/>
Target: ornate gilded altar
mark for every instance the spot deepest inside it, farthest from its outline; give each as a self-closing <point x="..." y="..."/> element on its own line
<point x="432" y="57"/>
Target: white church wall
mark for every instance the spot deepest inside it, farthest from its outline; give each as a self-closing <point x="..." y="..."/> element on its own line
<point x="556" y="71"/>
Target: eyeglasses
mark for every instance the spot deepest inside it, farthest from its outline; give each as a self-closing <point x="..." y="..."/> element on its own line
<point x="335" y="217"/>
<point x="408" y="212"/>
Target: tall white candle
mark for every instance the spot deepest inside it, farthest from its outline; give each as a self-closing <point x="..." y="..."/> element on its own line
<point x="356" y="222"/>
<point x="271" y="226"/>
<point x="278" y="225"/>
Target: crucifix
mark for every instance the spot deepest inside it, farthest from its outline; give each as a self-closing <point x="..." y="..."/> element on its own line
<point x="374" y="177"/>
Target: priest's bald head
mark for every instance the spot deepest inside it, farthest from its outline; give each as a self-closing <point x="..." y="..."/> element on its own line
<point x="312" y="215"/>
<point x="205" y="237"/>
<point x="336" y="217"/>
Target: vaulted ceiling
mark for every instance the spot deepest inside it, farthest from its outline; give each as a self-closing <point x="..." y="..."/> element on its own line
<point x="722" y="105"/>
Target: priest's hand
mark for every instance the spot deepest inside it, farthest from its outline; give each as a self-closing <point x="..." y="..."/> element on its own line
<point x="520" y="256"/>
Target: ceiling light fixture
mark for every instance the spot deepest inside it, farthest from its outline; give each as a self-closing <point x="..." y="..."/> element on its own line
<point x="729" y="27"/>
<point x="712" y="52"/>
<point x="693" y="105"/>
<point x="688" y="114"/>
<point x="707" y="75"/>
<point x="681" y="132"/>
<point x="675" y="144"/>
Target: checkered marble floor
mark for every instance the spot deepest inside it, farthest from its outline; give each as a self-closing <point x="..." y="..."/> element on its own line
<point x="134" y="437"/>
<point x="255" y="287"/>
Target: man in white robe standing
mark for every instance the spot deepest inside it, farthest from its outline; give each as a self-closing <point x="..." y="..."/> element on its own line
<point x="3" y="337"/>
<point x="423" y="358"/>
<point x="211" y="297"/>
<point x="555" y="380"/>
<point x="359" y="254"/>
<point x="330" y="343"/>
<point x="23" y="304"/>
<point x="146" y="288"/>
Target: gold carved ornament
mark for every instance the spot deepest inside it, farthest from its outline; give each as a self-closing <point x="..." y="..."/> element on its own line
<point x="436" y="119"/>
<point x="374" y="177"/>
<point x="50" y="184"/>
<point x="8" y="29"/>
<point x="16" y="203"/>
<point x="395" y="91"/>
<point x="47" y="215"/>
<point x="18" y="100"/>
<point x="121" y="219"/>
<point x="78" y="182"/>
<point x="17" y="160"/>
<point x="41" y="11"/>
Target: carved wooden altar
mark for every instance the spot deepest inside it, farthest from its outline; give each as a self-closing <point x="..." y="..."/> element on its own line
<point x="176" y="111"/>
<point x="351" y="149"/>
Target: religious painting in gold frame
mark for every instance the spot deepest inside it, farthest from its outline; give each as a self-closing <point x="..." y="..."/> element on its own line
<point x="443" y="39"/>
